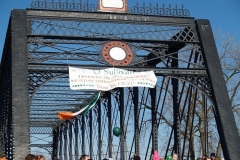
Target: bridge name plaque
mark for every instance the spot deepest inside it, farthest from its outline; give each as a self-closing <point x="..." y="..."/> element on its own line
<point x="112" y="5"/>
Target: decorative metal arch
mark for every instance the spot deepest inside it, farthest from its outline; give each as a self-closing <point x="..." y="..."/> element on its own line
<point x="48" y="148"/>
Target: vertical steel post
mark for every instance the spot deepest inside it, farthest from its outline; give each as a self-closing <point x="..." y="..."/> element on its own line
<point x="109" y="114"/>
<point x="91" y="133"/>
<point x="20" y="103"/>
<point x="83" y="135"/>
<point x="2" y="118"/>
<point x="70" y="127"/>
<point x="226" y="124"/>
<point x="136" y="119"/>
<point x="175" y="87"/>
<point x="154" y="120"/>
<point x="76" y="147"/>
<point x="65" y="147"/>
<point x="122" y="126"/>
<point x="99" y="130"/>
<point x="61" y="142"/>
<point x="9" y="148"/>
<point x="55" y="143"/>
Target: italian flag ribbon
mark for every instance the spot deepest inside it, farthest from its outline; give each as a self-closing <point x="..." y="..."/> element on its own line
<point x="83" y="111"/>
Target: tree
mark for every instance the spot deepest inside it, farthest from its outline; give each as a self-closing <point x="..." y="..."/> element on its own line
<point x="229" y="54"/>
<point x="204" y="126"/>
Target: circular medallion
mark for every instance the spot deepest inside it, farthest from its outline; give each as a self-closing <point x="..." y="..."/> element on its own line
<point x="117" y="53"/>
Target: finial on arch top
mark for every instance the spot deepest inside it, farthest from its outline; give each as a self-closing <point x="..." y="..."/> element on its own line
<point x="112" y="5"/>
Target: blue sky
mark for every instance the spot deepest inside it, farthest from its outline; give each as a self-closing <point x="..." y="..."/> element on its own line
<point x="223" y="14"/>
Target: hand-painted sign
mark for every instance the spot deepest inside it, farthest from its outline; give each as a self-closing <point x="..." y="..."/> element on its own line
<point x="107" y="79"/>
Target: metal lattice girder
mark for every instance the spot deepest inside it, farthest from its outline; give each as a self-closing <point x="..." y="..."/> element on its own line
<point x="41" y="130"/>
<point x="44" y="124"/>
<point x="41" y="145"/>
<point x="98" y="29"/>
<point x="158" y="70"/>
<point x="47" y="117"/>
<point x="44" y="119"/>
<point x="59" y="95"/>
<point x="48" y="102"/>
<point x="51" y="107"/>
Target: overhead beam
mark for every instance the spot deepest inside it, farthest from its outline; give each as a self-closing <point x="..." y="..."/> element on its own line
<point x="159" y="71"/>
<point x="109" y="17"/>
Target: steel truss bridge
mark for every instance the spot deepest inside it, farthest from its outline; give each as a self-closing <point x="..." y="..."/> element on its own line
<point x="187" y="110"/>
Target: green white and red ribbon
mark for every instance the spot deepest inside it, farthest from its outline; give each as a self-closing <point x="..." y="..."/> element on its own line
<point x="83" y="111"/>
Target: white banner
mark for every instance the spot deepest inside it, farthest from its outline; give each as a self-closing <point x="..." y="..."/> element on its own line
<point x="107" y="79"/>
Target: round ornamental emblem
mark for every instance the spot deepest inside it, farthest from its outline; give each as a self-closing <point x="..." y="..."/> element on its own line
<point x="117" y="53"/>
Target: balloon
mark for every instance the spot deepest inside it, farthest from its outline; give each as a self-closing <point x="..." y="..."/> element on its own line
<point x="169" y="157"/>
<point x="117" y="131"/>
